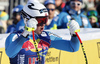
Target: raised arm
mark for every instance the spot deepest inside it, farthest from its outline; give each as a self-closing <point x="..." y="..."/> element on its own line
<point x="68" y="45"/>
<point x="14" y="43"/>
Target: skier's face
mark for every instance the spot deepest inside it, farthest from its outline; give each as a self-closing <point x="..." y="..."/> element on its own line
<point x="39" y="29"/>
<point x="41" y="24"/>
<point x="76" y="5"/>
<point x="42" y="20"/>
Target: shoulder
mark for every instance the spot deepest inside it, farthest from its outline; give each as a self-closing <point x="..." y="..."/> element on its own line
<point x="44" y="34"/>
<point x="13" y="36"/>
<point x="53" y="36"/>
<point x="45" y="37"/>
<point x="18" y="33"/>
<point x="48" y="33"/>
<point x="63" y="13"/>
<point x="60" y="16"/>
<point x="83" y="15"/>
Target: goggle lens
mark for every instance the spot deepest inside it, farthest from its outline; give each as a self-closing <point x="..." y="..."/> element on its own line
<point x="50" y="9"/>
<point x="92" y="13"/>
<point x="42" y="21"/>
<point x="75" y="3"/>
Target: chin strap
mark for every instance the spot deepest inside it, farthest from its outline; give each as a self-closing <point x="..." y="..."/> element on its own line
<point x="29" y="29"/>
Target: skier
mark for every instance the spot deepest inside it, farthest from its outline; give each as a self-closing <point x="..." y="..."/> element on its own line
<point x="22" y="49"/>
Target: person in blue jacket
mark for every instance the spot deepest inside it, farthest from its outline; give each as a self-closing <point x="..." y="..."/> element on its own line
<point x="72" y="9"/>
<point x="18" y="22"/>
<point x="22" y="48"/>
<point x="50" y="5"/>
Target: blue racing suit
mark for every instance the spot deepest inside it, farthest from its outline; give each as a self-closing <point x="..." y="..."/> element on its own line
<point x="21" y="50"/>
<point x="16" y="27"/>
<point x="66" y="15"/>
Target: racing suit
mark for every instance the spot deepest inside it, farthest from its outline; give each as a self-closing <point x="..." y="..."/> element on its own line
<point x="22" y="50"/>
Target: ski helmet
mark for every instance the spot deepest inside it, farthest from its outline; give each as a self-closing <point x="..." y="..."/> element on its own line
<point x="34" y="9"/>
<point x="77" y="0"/>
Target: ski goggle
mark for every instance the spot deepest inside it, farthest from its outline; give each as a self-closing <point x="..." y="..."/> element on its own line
<point x="41" y="20"/>
<point x="92" y="13"/>
<point x="75" y="3"/>
<point x="50" y="9"/>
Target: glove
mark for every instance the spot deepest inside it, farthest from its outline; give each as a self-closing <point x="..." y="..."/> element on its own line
<point x="30" y="26"/>
<point x="73" y="27"/>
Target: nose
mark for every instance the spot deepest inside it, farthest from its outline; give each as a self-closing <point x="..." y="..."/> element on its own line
<point x="43" y="25"/>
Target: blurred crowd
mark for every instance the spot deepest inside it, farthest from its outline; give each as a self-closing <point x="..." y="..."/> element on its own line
<point x="87" y="14"/>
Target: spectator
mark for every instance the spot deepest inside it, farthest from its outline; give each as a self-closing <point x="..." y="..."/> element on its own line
<point x="74" y="10"/>
<point x="92" y="15"/>
<point x="59" y="5"/>
<point x="18" y="22"/>
<point x="3" y="21"/>
<point x="98" y="8"/>
<point x="50" y="5"/>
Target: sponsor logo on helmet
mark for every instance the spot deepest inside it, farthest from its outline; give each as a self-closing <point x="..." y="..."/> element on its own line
<point x="43" y="10"/>
<point x="30" y="6"/>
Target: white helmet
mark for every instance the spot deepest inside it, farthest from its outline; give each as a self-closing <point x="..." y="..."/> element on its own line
<point x="34" y="9"/>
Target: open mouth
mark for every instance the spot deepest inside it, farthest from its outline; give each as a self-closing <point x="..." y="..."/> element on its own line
<point x="42" y="28"/>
